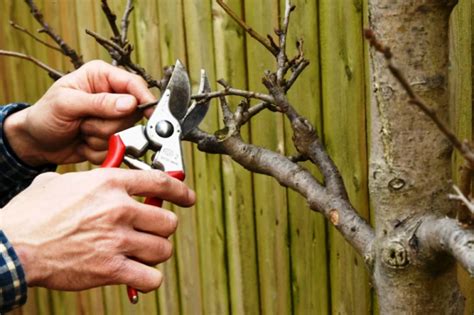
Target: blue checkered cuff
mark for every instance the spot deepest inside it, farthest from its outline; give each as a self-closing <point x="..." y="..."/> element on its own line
<point x="13" y="288"/>
<point x="15" y="175"/>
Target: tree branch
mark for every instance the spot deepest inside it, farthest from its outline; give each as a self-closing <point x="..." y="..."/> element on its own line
<point x="122" y="56"/>
<point x="282" y="58"/>
<point x="39" y="40"/>
<point x="111" y="18"/>
<point x="53" y="73"/>
<point x="74" y="57"/>
<point x="268" y="45"/>
<point x="296" y="73"/>
<point x="236" y="92"/>
<point x="460" y="196"/>
<point x="448" y="236"/>
<point x="126" y="22"/>
<point x="289" y="174"/>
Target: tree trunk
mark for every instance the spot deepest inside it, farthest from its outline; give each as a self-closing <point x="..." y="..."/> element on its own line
<point x="410" y="163"/>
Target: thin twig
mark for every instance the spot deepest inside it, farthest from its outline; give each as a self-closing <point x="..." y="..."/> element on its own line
<point x="461" y="197"/>
<point x="122" y="56"/>
<point x="106" y="43"/>
<point x="282" y="58"/>
<point x="296" y="73"/>
<point x="111" y="18"/>
<point x="53" y="73"/>
<point x="39" y="40"/>
<point x="254" y="110"/>
<point x="232" y="91"/>
<point x="126" y="21"/>
<point x="75" y="58"/>
<point x="247" y="28"/>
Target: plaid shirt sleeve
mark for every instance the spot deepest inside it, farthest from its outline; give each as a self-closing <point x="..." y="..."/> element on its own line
<point x="15" y="176"/>
<point x="13" y="286"/>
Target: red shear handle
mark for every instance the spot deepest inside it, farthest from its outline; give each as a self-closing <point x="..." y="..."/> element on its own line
<point x="158" y="202"/>
<point x="116" y="152"/>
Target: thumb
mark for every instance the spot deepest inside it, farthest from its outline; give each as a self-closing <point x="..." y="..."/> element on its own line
<point x="101" y="105"/>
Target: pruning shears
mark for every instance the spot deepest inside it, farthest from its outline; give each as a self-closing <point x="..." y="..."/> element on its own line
<point x="171" y="120"/>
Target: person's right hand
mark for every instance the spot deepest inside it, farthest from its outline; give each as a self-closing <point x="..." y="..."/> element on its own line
<point x="82" y="230"/>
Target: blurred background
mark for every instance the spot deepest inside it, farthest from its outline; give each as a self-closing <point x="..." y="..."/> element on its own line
<point x="249" y="246"/>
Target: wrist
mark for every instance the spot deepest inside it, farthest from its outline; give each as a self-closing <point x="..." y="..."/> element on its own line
<point x="34" y="272"/>
<point x="20" y="141"/>
<point x="24" y="250"/>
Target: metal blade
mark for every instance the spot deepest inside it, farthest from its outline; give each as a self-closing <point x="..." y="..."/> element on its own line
<point x="180" y="88"/>
<point x="198" y="110"/>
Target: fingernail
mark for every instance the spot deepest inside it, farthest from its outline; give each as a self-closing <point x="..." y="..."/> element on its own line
<point x="125" y="103"/>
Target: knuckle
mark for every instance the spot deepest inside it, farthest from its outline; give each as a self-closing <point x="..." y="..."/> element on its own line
<point x="115" y="270"/>
<point x="94" y="64"/>
<point x="107" y="177"/>
<point x="99" y="101"/>
<point x="162" y="180"/>
<point x="135" y="79"/>
<point x="45" y="177"/>
<point x="121" y="242"/>
<point x="119" y="212"/>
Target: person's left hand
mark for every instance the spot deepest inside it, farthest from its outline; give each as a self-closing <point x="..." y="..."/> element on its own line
<point x="72" y="122"/>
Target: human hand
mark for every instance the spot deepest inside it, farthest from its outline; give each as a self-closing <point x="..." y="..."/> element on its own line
<point x="82" y="230"/>
<point x="74" y="119"/>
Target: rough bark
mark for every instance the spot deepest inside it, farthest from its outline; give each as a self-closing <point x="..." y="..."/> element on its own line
<point x="410" y="159"/>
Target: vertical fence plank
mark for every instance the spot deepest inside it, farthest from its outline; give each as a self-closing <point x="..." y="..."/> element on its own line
<point x="144" y="29"/>
<point x="207" y="168"/>
<point x="342" y="60"/>
<point x="113" y="296"/>
<point x="270" y="198"/>
<point x="229" y="46"/>
<point x="309" y="269"/>
<point x="185" y="264"/>
<point x="4" y="61"/>
<point x="460" y="88"/>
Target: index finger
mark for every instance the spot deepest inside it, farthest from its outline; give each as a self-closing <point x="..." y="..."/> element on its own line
<point x="104" y="77"/>
<point x="153" y="183"/>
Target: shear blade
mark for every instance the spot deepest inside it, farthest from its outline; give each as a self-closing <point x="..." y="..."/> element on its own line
<point x="180" y="89"/>
<point x="198" y="110"/>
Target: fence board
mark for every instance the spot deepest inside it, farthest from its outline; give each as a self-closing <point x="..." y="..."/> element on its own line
<point x="207" y="168"/>
<point x="172" y="41"/>
<point x="229" y="46"/>
<point x="460" y="89"/>
<point x="309" y="263"/>
<point x="342" y="60"/>
<point x="271" y="212"/>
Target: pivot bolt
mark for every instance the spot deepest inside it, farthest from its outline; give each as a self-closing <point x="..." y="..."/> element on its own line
<point x="164" y="129"/>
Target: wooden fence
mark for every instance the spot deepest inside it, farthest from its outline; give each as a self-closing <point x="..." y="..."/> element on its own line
<point x="249" y="246"/>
